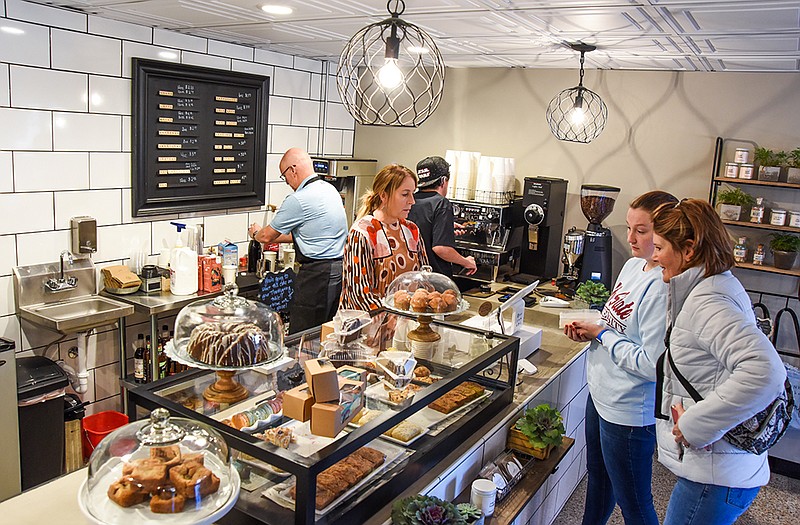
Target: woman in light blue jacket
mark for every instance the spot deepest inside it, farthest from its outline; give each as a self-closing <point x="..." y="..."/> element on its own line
<point x="621" y="372"/>
<point x="716" y="345"/>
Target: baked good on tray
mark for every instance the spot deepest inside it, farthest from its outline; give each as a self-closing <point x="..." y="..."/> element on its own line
<point x="457" y="397"/>
<point x="228" y="344"/>
<point x="343" y="475"/>
<point x="167" y="479"/>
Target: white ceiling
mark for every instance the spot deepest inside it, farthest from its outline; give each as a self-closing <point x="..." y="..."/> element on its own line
<point x="683" y="35"/>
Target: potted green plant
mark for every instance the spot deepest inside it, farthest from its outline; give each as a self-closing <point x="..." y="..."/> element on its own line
<point x="472" y="515"/>
<point x="769" y="164"/>
<point x="593" y="293"/>
<point x="731" y="201"/>
<point x="425" y="510"/>
<point x="537" y="432"/>
<point x="793" y="171"/>
<point x="784" y="248"/>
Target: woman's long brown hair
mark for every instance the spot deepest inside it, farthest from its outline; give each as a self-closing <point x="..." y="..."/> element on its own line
<point x="385" y="184"/>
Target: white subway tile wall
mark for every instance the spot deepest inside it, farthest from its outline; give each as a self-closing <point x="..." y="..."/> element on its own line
<point x="65" y="150"/>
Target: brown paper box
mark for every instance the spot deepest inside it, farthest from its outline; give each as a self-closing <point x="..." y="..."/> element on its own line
<point x="351" y="370"/>
<point x="297" y="403"/>
<point x="328" y="419"/>
<point x="322" y="379"/>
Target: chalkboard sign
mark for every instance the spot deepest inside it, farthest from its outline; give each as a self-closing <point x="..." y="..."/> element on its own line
<point x="277" y="290"/>
<point x="199" y="138"/>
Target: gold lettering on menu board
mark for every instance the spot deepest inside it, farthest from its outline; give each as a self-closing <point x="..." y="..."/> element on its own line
<point x="162" y="184"/>
<point x="165" y="106"/>
<point x="165" y="119"/>
<point x="220" y="98"/>
<point x="174" y="172"/>
<point x="219" y="170"/>
<point x="238" y="135"/>
<point x="222" y="135"/>
<point x="235" y="181"/>
<point x="221" y="182"/>
<point x="169" y="146"/>
<point x="167" y="159"/>
<point x="165" y="93"/>
<point x="169" y="132"/>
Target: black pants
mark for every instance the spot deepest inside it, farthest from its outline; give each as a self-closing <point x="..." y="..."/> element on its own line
<point x="316" y="296"/>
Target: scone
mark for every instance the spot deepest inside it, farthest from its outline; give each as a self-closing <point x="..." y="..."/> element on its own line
<point x="127" y="492"/>
<point x="167" y="500"/>
<point x="193" y="481"/>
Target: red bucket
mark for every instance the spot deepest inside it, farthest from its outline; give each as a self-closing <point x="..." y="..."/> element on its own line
<point x="97" y="426"/>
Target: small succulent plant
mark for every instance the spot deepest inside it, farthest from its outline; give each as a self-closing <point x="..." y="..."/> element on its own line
<point x="469" y="512"/>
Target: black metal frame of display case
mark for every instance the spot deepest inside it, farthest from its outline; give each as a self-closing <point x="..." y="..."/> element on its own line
<point x="427" y="451"/>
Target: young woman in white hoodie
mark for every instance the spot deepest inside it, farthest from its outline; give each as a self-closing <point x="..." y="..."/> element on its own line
<point x="621" y="372"/>
<point x="715" y="344"/>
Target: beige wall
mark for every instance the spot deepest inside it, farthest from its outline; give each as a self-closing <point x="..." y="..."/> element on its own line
<point x="660" y="132"/>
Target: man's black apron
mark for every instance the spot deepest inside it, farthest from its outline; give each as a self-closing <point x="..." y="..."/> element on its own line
<point x="316" y="289"/>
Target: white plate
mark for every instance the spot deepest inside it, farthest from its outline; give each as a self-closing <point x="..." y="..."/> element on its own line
<point x="395" y="440"/>
<point x="304" y="443"/>
<point x="280" y="493"/>
<point x="100" y="510"/>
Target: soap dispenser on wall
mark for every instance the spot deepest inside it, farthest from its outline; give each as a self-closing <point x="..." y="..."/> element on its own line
<point x="84" y="234"/>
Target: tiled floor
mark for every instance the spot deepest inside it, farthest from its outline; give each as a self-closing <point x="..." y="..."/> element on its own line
<point x="777" y="504"/>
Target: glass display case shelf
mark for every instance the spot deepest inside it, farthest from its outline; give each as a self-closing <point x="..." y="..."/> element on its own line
<point x="462" y="354"/>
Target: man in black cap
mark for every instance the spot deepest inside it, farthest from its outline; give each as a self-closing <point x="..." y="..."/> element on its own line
<point x="433" y="214"/>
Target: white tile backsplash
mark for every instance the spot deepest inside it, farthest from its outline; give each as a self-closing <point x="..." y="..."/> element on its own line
<point x="30" y="47"/>
<point x="50" y="171"/>
<point x="26" y="212"/>
<point x="216" y="47"/>
<point x="316" y="87"/>
<point x="109" y="95"/>
<point x="314" y="147"/>
<point x="103" y="205"/>
<point x="333" y="142"/>
<point x="162" y="37"/>
<point x="8" y="254"/>
<point x="106" y="381"/>
<point x="277" y="192"/>
<point x="97" y="54"/>
<point x="9" y="328"/>
<point x="6" y="172"/>
<point x="118" y="242"/>
<point x="42" y="247"/>
<point x="86" y="132"/>
<point x="126" y="134"/>
<point x="572" y="380"/>
<point x="333" y="90"/>
<point x="283" y="138"/>
<point x="232" y="227"/>
<point x="348" y="142"/>
<point x="26" y="129"/>
<point x="5" y="90"/>
<point x="45" y="15"/>
<point x="121" y="30"/>
<point x="253" y="68"/>
<point x="7" y="303"/>
<point x="291" y="83"/>
<point x="135" y="49"/>
<point x="307" y="64"/>
<point x="338" y="117"/>
<point x="32" y="87"/>
<point x="198" y="59"/>
<point x="280" y="110"/>
<point x="305" y="112"/>
<point x="109" y="170"/>
<point x="276" y="59"/>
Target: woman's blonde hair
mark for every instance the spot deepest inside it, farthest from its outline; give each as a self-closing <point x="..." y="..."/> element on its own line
<point x="694" y="223"/>
<point x="386" y="183"/>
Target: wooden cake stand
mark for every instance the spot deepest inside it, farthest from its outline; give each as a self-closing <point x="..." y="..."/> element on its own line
<point x="225" y="389"/>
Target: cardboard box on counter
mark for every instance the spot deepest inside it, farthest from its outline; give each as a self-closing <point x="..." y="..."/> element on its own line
<point x="297" y="403"/>
<point x="351" y="372"/>
<point x="322" y="379"/>
<point x="328" y="419"/>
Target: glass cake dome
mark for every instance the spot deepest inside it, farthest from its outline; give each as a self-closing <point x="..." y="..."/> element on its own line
<point x="424" y="292"/>
<point x="164" y="469"/>
<point x="228" y="332"/>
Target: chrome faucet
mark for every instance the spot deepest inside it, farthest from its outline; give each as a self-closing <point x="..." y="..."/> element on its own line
<point x="61" y="284"/>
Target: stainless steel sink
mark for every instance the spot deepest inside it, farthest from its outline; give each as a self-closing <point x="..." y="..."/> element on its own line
<point x="73" y="309"/>
<point x="76" y="315"/>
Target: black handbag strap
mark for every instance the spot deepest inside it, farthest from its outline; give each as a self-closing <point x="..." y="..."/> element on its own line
<point x="660" y="378"/>
<point x="685" y="382"/>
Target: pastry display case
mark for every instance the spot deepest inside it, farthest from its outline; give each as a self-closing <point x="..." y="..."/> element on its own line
<point x="295" y="473"/>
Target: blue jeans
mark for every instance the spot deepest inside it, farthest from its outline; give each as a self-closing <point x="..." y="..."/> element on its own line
<point x="620" y="464"/>
<point x="700" y="504"/>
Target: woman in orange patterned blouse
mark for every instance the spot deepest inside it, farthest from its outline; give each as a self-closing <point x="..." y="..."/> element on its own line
<point x="381" y="244"/>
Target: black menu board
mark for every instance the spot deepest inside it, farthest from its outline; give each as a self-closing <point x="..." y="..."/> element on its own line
<point x="199" y="138"/>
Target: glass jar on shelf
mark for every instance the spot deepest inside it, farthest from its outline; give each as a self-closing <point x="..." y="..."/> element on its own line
<point x="758" y="256"/>
<point x="757" y="211"/>
<point x="740" y="250"/>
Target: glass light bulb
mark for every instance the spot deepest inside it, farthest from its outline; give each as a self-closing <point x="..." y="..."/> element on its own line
<point x="577" y="116"/>
<point x="389" y="75"/>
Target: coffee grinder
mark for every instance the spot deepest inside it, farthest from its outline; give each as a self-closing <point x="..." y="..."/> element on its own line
<point x="597" y="203"/>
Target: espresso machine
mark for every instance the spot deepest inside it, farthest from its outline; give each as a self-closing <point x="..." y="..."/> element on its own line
<point x="351" y="177"/>
<point x="544" y="200"/>
<point x="597" y="203"/>
<point x="492" y="235"/>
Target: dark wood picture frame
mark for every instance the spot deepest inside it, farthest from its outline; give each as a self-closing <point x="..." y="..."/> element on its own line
<point x="199" y="138"/>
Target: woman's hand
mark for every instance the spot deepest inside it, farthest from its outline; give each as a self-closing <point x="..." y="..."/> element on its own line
<point x="581" y="332"/>
<point x="677" y="412"/>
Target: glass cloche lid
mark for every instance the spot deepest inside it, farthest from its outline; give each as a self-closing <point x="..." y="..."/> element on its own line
<point x="228" y="331"/>
<point x="424" y="292"/>
<point x="165" y="469"/>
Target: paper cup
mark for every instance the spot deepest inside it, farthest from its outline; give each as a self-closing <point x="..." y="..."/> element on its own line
<point x="229" y="273"/>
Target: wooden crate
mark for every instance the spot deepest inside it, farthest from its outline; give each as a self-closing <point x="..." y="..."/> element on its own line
<point x="519" y="442"/>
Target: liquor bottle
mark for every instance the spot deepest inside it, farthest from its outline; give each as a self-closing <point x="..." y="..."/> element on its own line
<point x="162" y="356"/>
<point x="254" y="253"/>
<point x="138" y="359"/>
<point x="758" y="256"/>
<point x="740" y="250"/>
<point x="148" y="354"/>
<point x="757" y="211"/>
